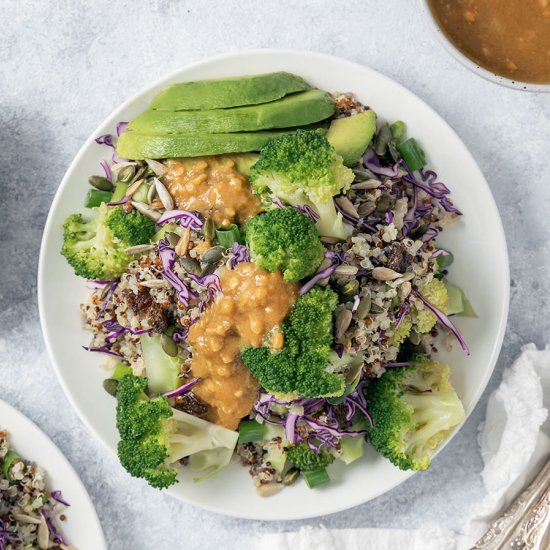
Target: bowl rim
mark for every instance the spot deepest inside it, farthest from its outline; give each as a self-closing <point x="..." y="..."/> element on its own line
<point x="48" y="228"/>
<point x="472" y="65"/>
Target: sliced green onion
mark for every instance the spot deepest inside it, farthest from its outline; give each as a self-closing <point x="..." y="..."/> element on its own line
<point x="397" y="129"/>
<point x="228" y="237"/>
<point x="120" y="191"/>
<point x="412" y="154"/>
<point x="95" y="197"/>
<point x="141" y="194"/>
<point x="250" y="430"/>
<point x="314" y="478"/>
<point x="9" y="460"/>
<point x="445" y="260"/>
<point x="121" y="370"/>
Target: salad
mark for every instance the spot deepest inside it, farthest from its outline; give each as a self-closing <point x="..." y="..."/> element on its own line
<point x="29" y="514"/>
<point x="265" y="282"/>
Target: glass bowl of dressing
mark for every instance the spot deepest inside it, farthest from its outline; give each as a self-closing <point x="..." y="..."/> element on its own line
<point x="504" y="41"/>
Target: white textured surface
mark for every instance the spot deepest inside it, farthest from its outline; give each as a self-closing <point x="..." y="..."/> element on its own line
<point x="65" y="66"/>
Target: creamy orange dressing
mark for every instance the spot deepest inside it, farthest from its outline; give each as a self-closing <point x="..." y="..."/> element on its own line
<point x="213" y="187"/>
<point x="253" y="302"/>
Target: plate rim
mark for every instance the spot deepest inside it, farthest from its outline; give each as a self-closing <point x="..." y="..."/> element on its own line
<point x="355" y="66"/>
<point x="58" y="456"/>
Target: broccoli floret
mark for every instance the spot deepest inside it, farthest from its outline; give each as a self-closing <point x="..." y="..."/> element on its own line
<point x="95" y="248"/>
<point x="435" y="292"/>
<point x="285" y="239"/>
<point x="300" y="368"/>
<point x="131" y="229"/>
<point x="303" y="168"/>
<point x="303" y="458"/>
<point x="413" y="410"/>
<point x="153" y="436"/>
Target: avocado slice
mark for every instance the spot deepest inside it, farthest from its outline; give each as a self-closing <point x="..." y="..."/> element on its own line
<point x="221" y="93"/>
<point x="137" y="146"/>
<point x="351" y="136"/>
<point x="293" y="110"/>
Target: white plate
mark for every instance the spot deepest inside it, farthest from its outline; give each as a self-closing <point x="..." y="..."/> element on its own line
<point x="481" y="268"/>
<point x="81" y="528"/>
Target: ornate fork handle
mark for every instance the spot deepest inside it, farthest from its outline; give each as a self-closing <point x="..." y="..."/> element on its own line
<point x="525" y="525"/>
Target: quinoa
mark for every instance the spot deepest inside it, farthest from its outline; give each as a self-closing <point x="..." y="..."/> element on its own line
<point x="28" y="511"/>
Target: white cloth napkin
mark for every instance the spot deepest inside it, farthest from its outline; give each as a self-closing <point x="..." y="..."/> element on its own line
<point x="514" y="442"/>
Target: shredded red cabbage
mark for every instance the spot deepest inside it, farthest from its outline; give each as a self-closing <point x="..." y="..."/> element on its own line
<point x="105" y="139"/>
<point x="123" y="200"/>
<point x="106" y="169"/>
<point x="405" y="308"/>
<point x="348" y="218"/>
<point x="336" y="259"/>
<point x="445" y="321"/>
<point x="104" y="349"/>
<point x="183" y="389"/>
<point x="120" y="127"/>
<point x="7" y="536"/>
<point x="240" y="255"/>
<point x="211" y="282"/>
<point x="356" y="302"/>
<point x="168" y="259"/>
<point x="290" y="427"/>
<point x="114" y="284"/>
<point x="56" y="535"/>
<point x="187" y="219"/>
<point x="308" y="211"/>
<point x="56" y="495"/>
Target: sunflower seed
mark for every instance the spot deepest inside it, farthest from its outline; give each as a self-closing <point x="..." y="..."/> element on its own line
<point x="291" y="476"/>
<point x="342" y="323"/>
<point x="99" y="182"/>
<point x="154" y="283"/>
<point x="369" y="184"/>
<point x="269" y="489"/>
<point x="209" y="229"/>
<point x="157" y="204"/>
<point x="366" y="209"/>
<point x="329" y="240"/>
<point x="346" y="205"/>
<point x="385" y="274"/>
<point x="151" y="194"/>
<point x="406" y="277"/>
<point x="213" y="254"/>
<point x="404" y="290"/>
<point x="24" y="518"/>
<point x="126" y="173"/>
<point x="145" y="210"/>
<point x="110" y="386"/>
<point x="183" y="243"/>
<point x="139" y="248"/>
<point x="134" y="187"/>
<point x="346" y="270"/>
<point x="158" y="168"/>
<point x="190" y="265"/>
<point x="164" y="195"/>
<point x="168" y="345"/>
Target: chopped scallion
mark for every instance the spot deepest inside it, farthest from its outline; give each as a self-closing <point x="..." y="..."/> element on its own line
<point x="412" y="154"/>
<point x="95" y="197"/>
<point x="314" y="478"/>
<point x="250" y="430"/>
<point x="228" y="237"/>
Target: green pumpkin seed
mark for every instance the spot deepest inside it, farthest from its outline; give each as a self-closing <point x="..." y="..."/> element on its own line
<point x="375" y="309"/>
<point x="414" y="338"/>
<point x="110" y="386"/>
<point x="105" y="291"/>
<point x="382" y="139"/>
<point x="291" y="476"/>
<point x="99" y="182"/>
<point x="127" y="173"/>
<point x="364" y="306"/>
<point x="190" y="265"/>
<point x="209" y="268"/>
<point x="213" y="254"/>
<point x="384" y="204"/>
<point x="173" y="238"/>
<point x="168" y="345"/>
<point x="209" y="229"/>
<point x="350" y="288"/>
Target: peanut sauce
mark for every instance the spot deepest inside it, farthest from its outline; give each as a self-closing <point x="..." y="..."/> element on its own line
<point x="213" y="187"/>
<point x="253" y="302"/>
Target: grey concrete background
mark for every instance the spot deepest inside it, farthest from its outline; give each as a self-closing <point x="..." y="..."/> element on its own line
<point x="65" y="65"/>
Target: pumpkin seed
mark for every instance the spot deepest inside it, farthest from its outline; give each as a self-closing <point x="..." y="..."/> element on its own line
<point x="164" y="195"/>
<point x="414" y="337"/>
<point x="347" y="206"/>
<point x="139" y="248"/>
<point x="382" y="139"/>
<point x="209" y="229"/>
<point x="105" y="291"/>
<point x="168" y="345"/>
<point x="209" y="268"/>
<point x="145" y="210"/>
<point x="384" y="204"/>
<point x="213" y="254"/>
<point x="126" y="174"/>
<point x="364" y="306"/>
<point x="139" y="174"/>
<point x="151" y="194"/>
<point x="190" y="265"/>
<point x="157" y="167"/>
<point x="269" y="489"/>
<point x="366" y="209"/>
<point x="291" y="476"/>
<point x="348" y="270"/>
<point x="376" y="309"/>
<point x="99" y="182"/>
<point x="350" y="288"/>
<point x="385" y="274"/>
<point x="343" y="321"/>
<point x="110" y="386"/>
<point x="173" y="238"/>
